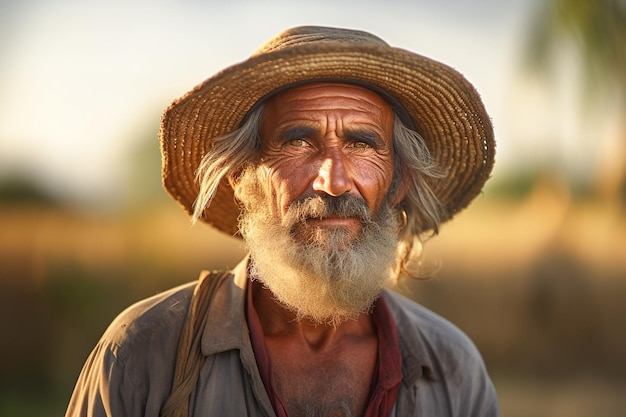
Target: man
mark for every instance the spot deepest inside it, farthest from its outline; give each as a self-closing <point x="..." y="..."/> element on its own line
<point x="330" y="153"/>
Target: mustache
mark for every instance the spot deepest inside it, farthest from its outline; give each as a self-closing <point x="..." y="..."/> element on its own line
<point x="320" y="206"/>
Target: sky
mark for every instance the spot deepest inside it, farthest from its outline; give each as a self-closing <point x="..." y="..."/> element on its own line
<point x="83" y="82"/>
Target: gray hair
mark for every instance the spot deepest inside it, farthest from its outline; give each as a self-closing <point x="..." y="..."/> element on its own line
<point x="229" y="154"/>
<point x="420" y="209"/>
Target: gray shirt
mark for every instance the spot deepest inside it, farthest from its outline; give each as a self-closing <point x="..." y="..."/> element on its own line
<point x="130" y="371"/>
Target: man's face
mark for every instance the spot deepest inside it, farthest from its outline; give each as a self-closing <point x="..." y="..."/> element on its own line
<point x="317" y="217"/>
<point x="327" y="139"/>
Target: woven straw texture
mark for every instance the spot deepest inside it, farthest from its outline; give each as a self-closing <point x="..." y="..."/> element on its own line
<point x="444" y="107"/>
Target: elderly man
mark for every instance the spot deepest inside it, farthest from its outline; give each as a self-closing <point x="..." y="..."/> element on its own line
<point x="331" y="154"/>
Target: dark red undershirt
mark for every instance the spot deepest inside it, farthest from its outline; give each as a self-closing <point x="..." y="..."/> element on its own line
<point x="387" y="373"/>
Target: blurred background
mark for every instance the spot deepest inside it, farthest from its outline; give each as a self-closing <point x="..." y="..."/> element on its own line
<point x="534" y="271"/>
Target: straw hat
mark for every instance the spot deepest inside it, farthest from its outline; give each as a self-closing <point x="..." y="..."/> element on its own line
<point x="436" y="100"/>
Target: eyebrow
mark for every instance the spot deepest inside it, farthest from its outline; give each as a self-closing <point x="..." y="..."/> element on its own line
<point x="297" y="132"/>
<point x="365" y="135"/>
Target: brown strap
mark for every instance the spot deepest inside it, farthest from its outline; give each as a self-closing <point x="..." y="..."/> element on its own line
<point x="189" y="358"/>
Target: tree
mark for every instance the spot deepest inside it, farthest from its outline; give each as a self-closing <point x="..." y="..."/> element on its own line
<point x="597" y="29"/>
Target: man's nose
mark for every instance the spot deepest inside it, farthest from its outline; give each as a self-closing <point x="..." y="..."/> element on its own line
<point x="333" y="177"/>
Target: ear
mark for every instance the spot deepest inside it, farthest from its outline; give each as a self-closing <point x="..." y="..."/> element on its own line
<point x="233" y="181"/>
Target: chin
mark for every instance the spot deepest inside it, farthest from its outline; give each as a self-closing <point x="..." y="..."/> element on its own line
<point x="336" y="237"/>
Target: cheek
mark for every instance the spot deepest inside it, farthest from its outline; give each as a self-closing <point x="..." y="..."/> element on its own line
<point x="287" y="182"/>
<point x="373" y="180"/>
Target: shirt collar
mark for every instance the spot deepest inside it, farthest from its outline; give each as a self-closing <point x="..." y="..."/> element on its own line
<point x="226" y="324"/>
<point x="415" y="358"/>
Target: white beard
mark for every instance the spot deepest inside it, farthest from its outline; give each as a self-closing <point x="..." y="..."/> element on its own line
<point x="319" y="274"/>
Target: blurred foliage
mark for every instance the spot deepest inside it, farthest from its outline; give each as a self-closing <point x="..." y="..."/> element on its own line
<point x="520" y="184"/>
<point x="18" y="189"/>
<point x="598" y="30"/>
<point x="46" y="343"/>
<point x="143" y="162"/>
<point x="515" y="186"/>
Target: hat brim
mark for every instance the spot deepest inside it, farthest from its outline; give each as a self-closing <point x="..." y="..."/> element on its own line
<point x="443" y="106"/>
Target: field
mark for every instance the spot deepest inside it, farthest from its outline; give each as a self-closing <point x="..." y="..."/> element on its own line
<point x="539" y="284"/>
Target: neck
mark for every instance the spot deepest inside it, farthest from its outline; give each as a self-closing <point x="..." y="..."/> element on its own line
<point x="280" y="322"/>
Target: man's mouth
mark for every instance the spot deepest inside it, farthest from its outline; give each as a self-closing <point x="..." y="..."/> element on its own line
<point x="333" y="221"/>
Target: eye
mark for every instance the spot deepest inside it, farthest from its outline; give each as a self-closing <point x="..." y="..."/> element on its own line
<point x="361" y="145"/>
<point x="363" y="139"/>
<point x="298" y="142"/>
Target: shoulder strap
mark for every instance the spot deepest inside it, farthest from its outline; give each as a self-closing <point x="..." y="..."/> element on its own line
<point x="189" y="358"/>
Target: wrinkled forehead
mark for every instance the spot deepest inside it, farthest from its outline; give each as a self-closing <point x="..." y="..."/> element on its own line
<point x="325" y="99"/>
<point x="375" y="92"/>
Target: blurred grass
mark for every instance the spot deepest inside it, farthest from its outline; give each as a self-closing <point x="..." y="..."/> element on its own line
<point x="538" y="282"/>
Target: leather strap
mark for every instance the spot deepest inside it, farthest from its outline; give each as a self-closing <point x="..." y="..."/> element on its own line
<point x="189" y="358"/>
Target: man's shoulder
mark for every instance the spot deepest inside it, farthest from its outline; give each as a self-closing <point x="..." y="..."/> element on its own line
<point x="150" y="321"/>
<point x="456" y="372"/>
<point x="438" y="333"/>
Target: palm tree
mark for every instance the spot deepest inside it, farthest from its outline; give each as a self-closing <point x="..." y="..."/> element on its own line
<point x="597" y="29"/>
